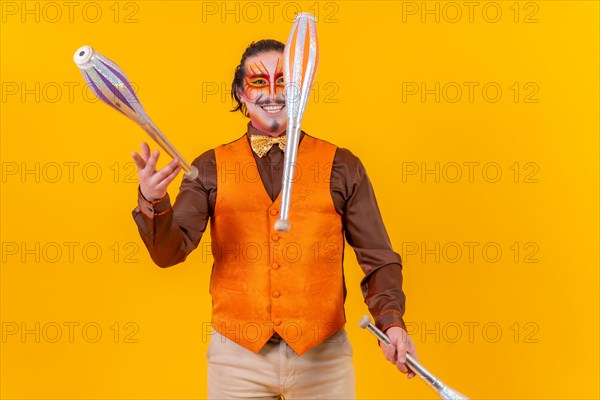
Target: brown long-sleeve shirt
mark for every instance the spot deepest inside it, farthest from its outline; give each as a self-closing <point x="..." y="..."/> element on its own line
<point x="170" y="233"/>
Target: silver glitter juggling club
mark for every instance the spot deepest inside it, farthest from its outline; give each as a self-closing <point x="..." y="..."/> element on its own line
<point x="444" y="391"/>
<point x="301" y="59"/>
<point x="110" y="84"/>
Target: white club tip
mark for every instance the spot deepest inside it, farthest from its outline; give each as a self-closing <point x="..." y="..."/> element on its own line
<point x="191" y="174"/>
<point x="306" y="15"/>
<point x="83" y="55"/>
<point x="282" y="225"/>
<point x="364" y="322"/>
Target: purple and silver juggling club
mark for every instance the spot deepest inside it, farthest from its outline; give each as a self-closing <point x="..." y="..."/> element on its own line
<point x="110" y="84"/>
<point x="444" y="391"/>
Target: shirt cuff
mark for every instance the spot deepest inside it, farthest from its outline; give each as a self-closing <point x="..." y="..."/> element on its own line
<point x="154" y="208"/>
<point x="389" y="318"/>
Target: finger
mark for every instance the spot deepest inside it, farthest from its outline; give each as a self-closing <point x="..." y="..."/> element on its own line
<point x="390" y="353"/>
<point x="413" y="354"/>
<point x="386" y="352"/>
<point x="145" y="151"/>
<point x="401" y="360"/>
<point x="401" y="355"/>
<point x="151" y="164"/>
<point x="411" y="375"/>
<point x="165" y="182"/>
<point x="402" y="368"/>
<point x="383" y="347"/>
<point x="412" y="350"/>
<point x="403" y="338"/>
<point x="141" y="164"/>
<point x="166" y="171"/>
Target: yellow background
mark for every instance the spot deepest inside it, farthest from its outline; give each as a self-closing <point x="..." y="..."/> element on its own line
<point x="545" y="311"/>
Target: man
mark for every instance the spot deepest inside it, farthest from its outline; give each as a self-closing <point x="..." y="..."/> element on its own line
<point x="278" y="313"/>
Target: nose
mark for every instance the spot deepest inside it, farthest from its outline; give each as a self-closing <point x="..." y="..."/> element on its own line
<point x="277" y="94"/>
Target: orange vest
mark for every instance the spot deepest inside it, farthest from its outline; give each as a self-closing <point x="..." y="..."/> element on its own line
<point x="264" y="281"/>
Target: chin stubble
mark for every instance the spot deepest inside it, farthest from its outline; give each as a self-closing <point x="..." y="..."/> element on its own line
<point x="275" y="126"/>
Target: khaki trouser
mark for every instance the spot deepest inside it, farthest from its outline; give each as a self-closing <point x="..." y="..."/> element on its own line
<point x="324" y="372"/>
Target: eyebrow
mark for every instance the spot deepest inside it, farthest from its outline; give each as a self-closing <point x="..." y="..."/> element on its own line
<point x="263" y="71"/>
<point x="259" y="75"/>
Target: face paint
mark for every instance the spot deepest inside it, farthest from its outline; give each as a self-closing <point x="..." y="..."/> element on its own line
<point x="263" y="92"/>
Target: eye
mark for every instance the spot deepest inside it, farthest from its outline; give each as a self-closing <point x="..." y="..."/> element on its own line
<point x="259" y="82"/>
<point x="279" y="81"/>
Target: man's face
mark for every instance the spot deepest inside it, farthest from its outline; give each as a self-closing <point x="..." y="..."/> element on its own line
<point x="263" y="92"/>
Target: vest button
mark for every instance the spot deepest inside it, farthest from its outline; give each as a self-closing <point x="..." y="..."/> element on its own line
<point x="273" y="211"/>
<point x="275" y="237"/>
<point x="275" y="266"/>
<point x="276" y="294"/>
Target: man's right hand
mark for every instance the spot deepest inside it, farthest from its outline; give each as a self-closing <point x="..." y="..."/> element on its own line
<point x="153" y="183"/>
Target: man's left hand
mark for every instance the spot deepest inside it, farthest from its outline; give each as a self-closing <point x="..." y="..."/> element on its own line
<point x="396" y="352"/>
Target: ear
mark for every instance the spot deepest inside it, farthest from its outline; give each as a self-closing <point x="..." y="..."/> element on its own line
<point x="240" y="94"/>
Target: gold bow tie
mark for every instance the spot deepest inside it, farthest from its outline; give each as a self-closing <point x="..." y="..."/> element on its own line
<point x="261" y="144"/>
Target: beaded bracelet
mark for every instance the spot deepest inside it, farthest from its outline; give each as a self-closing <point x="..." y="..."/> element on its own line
<point x="152" y="202"/>
<point x="163" y="212"/>
<point x="159" y="200"/>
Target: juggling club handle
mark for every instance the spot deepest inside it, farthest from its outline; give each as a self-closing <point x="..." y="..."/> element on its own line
<point x="443" y="390"/>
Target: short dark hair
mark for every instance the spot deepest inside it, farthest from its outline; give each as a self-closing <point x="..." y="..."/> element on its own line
<point x="254" y="49"/>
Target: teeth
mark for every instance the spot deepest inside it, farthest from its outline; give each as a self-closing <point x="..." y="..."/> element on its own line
<point x="272" y="109"/>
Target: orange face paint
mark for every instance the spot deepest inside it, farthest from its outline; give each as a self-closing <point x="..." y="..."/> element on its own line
<point x="263" y="92"/>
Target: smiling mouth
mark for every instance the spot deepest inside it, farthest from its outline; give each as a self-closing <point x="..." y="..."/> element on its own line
<point x="273" y="108"/>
